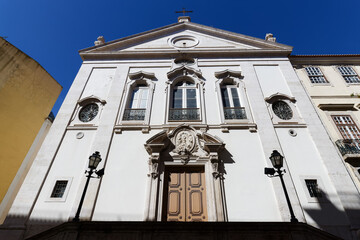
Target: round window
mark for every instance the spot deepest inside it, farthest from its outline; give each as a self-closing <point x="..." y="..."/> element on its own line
<point x="282" y="110"/>
<point x="88" y="112"/>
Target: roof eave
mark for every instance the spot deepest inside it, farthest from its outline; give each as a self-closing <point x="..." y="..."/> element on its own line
<point x="325" y="59"/>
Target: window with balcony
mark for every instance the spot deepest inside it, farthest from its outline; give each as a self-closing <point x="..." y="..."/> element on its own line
<point x="349" y="74"/>
<point x="137" y="104"/>
<point x="231" y="102"/>
<point x="184" y="102"/>
<point x="315" y="75"/>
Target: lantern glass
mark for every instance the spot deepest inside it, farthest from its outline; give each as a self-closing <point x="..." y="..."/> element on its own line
<point x="276" y="159"/>
<point x="94" y="160"/>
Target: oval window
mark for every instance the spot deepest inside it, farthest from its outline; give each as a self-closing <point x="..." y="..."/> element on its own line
<point x="282" y="110"/>
<point x="88" y="112"/>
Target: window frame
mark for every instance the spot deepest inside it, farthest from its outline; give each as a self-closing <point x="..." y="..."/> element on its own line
<point x="349" y="75"/>
<point x="320" y="75"/>
<point x="320" y="186"/>
<point x="290" y="101"/>
<point x="199" y="88"/>
<point x="233" y="79"/>
<point x="135" y="80"/>
<point x="129" y="101"/>
<point x="75" y="119"/>
<point x="66" y="191"/>
<point x="343" y="136"/>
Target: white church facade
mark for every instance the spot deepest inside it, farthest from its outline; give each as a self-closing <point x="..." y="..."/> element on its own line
<point x="185" y="118"/>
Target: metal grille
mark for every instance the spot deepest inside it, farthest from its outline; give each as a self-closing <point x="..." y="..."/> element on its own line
<point x="348" y="146"/>
<point x="315" y="75"/>
<point x="134" y="114"/>
<point x="176" y="114"/>
<point x="349" y="75"/>
<point x="313" y="188"/>
<point x="234" y="113"/>
<point x="59" y="189"/>
<point x="346" y="126"/>
<point x="282" y="110"/>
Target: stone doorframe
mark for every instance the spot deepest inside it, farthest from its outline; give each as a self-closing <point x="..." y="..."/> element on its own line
<point x="185" y="146"/>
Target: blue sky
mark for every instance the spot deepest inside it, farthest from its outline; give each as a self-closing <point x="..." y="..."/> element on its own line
<point x="52" y="32"/>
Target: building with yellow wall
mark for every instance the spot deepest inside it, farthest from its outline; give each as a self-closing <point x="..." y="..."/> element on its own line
<point x="333" y="84"/>
<point x="27" y="95"/>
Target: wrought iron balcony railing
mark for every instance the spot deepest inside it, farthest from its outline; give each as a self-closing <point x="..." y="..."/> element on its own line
<point x="137" y="114"/>
<point x="348" y="146"/>
<point x="178" y="114"/>
<point x="234" y="113"/>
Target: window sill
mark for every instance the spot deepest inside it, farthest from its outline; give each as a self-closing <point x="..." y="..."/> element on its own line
<point x="225" y="127"/>
<point x="82" y="127"/>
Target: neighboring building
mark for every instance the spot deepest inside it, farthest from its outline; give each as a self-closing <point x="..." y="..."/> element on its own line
<point x="185" y="118"/>
<point x="27" y="95"/>
<point x="333" y="83"/>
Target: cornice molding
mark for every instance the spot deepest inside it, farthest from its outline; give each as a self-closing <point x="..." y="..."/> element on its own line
<point x="251" y="53"/>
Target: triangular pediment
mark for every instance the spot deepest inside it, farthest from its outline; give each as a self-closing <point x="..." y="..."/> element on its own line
<point x="184" y="37"/>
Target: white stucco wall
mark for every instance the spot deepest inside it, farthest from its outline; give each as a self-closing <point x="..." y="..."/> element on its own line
<point x="69" y="164"/>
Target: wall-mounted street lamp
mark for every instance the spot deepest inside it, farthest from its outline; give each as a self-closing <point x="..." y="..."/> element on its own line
<point x="94" y="161"/>
<point x="277" y="161"/>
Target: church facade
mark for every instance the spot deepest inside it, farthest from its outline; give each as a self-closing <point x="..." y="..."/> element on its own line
<point x="185" y="118"/>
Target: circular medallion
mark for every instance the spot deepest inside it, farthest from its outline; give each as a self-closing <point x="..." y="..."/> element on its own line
<point x="282" y="110"/>
<point x="184" y="41"/>
<point x="88" y="112"/>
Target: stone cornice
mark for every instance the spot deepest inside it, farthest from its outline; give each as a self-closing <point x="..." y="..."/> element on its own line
<point x="212" y="53"/>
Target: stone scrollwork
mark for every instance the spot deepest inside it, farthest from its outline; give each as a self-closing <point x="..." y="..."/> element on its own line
<point x="184" y="145"/>
<point x="215" y="162"/>
<point x="184" y="142"/>
<point x="153" y="166"/>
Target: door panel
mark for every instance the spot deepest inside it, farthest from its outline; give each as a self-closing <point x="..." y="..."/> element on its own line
<point x="186" y="195"/>
<point x="176" y="197"/>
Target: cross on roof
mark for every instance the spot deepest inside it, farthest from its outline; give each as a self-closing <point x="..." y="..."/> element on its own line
<point x="183" y="11"/>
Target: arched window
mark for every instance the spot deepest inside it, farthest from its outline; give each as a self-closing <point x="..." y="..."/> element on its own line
<point x="137" y="103"/>
<point x="184" y="102"/>
<point x="231" y="102"/>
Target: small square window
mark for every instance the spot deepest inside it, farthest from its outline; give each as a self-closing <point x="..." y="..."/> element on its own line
<point x="349" y="74"/>
<point x="59" y="189"/>
<point x="315" y="75"/>
<point x="313" y="188"/>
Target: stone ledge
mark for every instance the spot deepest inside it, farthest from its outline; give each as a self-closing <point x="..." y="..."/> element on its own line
<point x="178" y="230"/>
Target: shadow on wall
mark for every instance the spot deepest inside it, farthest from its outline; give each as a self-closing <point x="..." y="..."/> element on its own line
<point x="331" y="218"/>
<point x="225" y="157"/>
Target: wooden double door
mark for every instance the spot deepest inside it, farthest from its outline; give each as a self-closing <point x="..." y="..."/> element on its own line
<point x="184" y="195"/>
